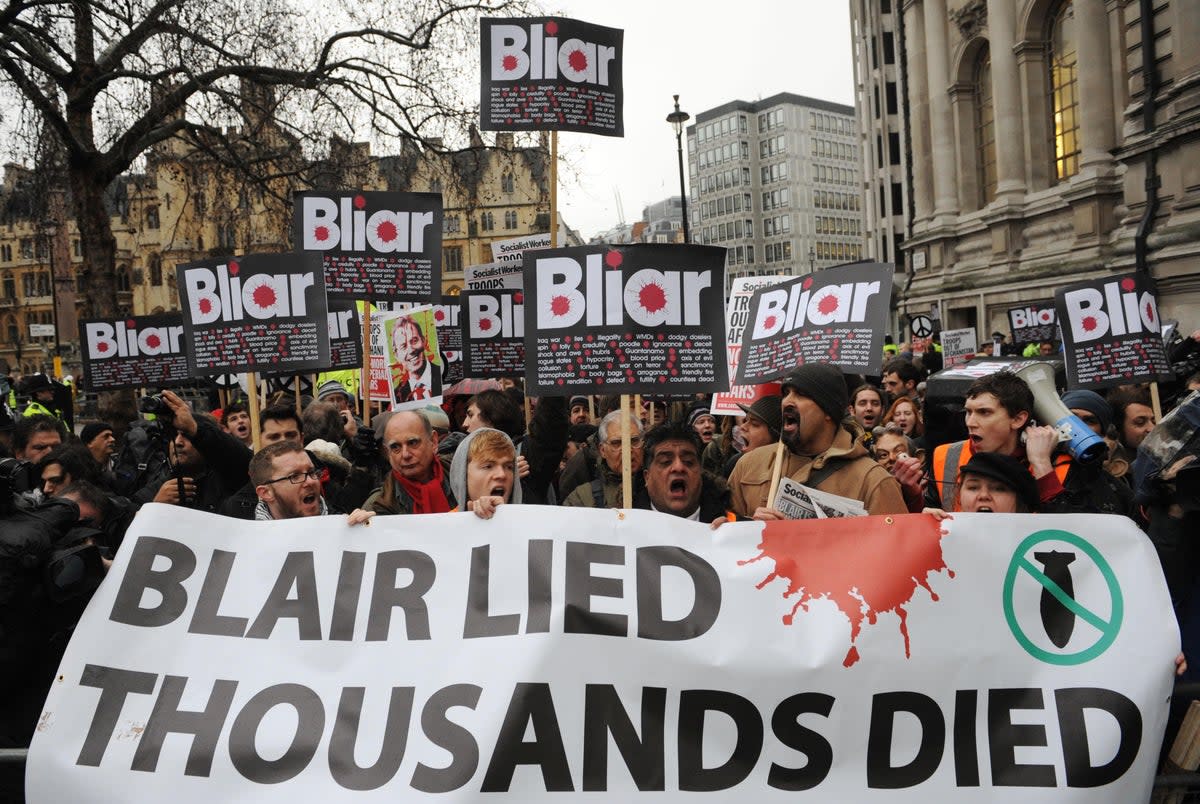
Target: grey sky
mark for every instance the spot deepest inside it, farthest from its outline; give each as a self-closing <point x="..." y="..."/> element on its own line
<point x="708" y="53"/>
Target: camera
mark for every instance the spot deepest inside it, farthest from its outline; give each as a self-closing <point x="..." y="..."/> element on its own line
<point x="157" y="406"/>
<point x="16" y="477"/>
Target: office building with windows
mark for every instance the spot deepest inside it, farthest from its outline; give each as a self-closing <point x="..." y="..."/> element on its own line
<point x="777" y="182"/>
<point x="1052" y="141"/>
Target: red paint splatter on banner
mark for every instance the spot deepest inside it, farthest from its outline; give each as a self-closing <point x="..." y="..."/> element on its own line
<point x="827" y="304"/>
<point x="234" y="268"/>
<point x="152" y="341"/>
<point x="205" y="306"/>
<point x="866" y="567"/>
<point x="577" y="59"/>
<point x="769" y="322"/>
<point x="518" y="298"/>
<point x="360" y="201"/>
<point x="130" y="323"/>
<point x="264" y="296"/>
<point x="1127" y="284"/>
<point x="1149" y="311"/>
<point x="652" y="297"/>
<point x="613" y="259"/>
<point x="485" y="324"/>
<point x="102" y="347"/>
<point x="439" y="315"/>
<point x="386" y="231"/>
<point x="560" y="305"/>
<point x="508" y="63"/>
<point x="321" y="233"/>
<point x="807" y="283"/>
<point x="551" y="28"/>
<point x="1088" y="323"/>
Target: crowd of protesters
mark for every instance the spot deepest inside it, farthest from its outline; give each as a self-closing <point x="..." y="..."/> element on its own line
<point x="865" y="439"/>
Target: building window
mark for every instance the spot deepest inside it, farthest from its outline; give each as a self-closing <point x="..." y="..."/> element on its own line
<point x="27" y="248"/>
<point x="487" y="222"/>
<point x="14" y="332"/>
<point x="6" y="253"/>
<point x="10" y="286"/>
<point x="506" y="183"/>
<point x="151" y="217"/>
<point x="435" y="186"/>
<point x="452" y="258"/>
<point x="510" y="219"/>
<point x="123" y="281"/>
<point x="1064" y="89"/>
<point x="985" y="130"/>
<point x="451" y="224"/>
<point x="156" y="278"/>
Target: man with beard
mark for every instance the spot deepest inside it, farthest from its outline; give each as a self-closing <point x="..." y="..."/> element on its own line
<point x="821" y="452"/>
<point x="423" y="378"/>
<point x="289" y="486"/>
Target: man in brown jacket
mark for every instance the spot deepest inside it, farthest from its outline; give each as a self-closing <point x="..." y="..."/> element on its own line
<point x="820" y="452"/>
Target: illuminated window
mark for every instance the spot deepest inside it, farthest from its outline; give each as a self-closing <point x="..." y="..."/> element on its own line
<point x="985" y="129"/>
<point x="1064" y="92"/>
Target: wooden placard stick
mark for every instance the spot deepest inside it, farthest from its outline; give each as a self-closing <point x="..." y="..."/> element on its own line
<point x="365" y="388"/>
<point x="255" y="427"/>
<point x="626" y="453"/>
<point x="776" y="473"/>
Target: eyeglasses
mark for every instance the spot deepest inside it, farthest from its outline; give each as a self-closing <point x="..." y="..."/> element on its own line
<point x="296" y="478"/>
<point x="615" y="443"/>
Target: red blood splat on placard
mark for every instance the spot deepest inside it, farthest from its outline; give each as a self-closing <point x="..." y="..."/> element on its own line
<point x="386" y="231"/>
<point x="518" y="298"/>
<point x="866" y="567"/>
<point x="439" y="315"/>
<point x="652" y="297"/>
<point x="508" y="63"/>
<point x="153" y="341"/>
<point x="551" y="28"/>
<point x="1149" y="311"/>
<point x="360" y="201"/>
<point x="264" y="296"/>
<point x="1127" y="284"/>
<point x="234" y="268"/>
<point x="613" y="259"/>
<point x="807" y="283"/>
<point x="102" y="347"/>
<point x="560" y="305"/>
<point x="321" y="233"/>
<point x="205" y="306"/>
<point x="828" y="304"/>
<point x="485" y="324"/>
<point x="578" y="60"/>
<point x="1088" y="323"/>
<point x="130" y="323"/>
<point x="769" y="322"/>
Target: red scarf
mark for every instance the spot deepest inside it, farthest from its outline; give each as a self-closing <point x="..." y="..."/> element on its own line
<point x="428" y="497"/>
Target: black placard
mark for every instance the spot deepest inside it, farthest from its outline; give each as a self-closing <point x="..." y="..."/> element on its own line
<point x="1111" y="332"/>
<point x="345" y="335"/>
<point x="134" y="352"/>
<point x="493" y="333"/>
<point x="550" y="74"/>
<point x="446" y="317"/>
<point x="374" y="245"/>
<point x="645" y="319"/>
<point x="1033" y="323"/>
<point x="837" y="316"/>
<point x="260" y="312"/>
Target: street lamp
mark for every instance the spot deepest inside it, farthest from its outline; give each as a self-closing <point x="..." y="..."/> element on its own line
<point x="677" y="119"/>
<point x="812" y="260"/>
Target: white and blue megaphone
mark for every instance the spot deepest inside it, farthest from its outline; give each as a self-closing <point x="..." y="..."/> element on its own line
<point x="1080" y="440"/>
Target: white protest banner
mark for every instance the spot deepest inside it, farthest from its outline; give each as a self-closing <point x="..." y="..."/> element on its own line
<point x="494" y="276"/>
<point x="552" y="655"/>
<point x="958" y="346"/>
<point x="514" y="250"/>
<point x="737" y="316"/>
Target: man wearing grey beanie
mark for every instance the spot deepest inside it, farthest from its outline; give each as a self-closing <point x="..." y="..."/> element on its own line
<point x="820" y="451"/>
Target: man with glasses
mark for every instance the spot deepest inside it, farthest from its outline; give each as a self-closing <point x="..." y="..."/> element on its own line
<point x="288" y="486"/>
<point x="418" y="482"/>
<point x="605" y="490"/>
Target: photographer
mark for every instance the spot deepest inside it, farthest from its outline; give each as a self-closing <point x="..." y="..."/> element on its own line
<point x="207" y="464"/>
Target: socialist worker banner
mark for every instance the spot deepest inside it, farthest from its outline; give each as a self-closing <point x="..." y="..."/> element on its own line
<point x="550" y="74"/>
<point x="259" y="312"/>
<point x="580" y="655"/>
<point x="1111" y="332"/>
<point x="373" y="245"/>
<point x="144" y="351"/>
<point x="836" y="316"/>
<point x="641" y="319"/>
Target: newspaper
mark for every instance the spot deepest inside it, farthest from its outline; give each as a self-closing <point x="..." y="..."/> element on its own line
<point x="797" y="501"/>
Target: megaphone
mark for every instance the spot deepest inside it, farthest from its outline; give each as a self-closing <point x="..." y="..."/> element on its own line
<point x="1080" y="440"/>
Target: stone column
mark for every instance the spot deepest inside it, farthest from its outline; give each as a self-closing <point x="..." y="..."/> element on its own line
<point x="918" y="105"/>
<point x="1006" y="101"/>
<point x="1097" y="122"/>
<point x="941" y="121"/>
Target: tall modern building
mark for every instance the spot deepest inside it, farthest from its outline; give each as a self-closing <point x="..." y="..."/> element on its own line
<point x="778" y="183"/>
<point x="880" y="77"/>
<point x="1051" y="141"/>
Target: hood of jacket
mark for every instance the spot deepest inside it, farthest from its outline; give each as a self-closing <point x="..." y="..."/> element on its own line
<point x="458" y="470"/>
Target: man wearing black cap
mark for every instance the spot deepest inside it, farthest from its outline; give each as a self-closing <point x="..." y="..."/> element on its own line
<point x="100" y="442"/>
<point x="821" y="452"/>
<point x="579" y="410"/>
